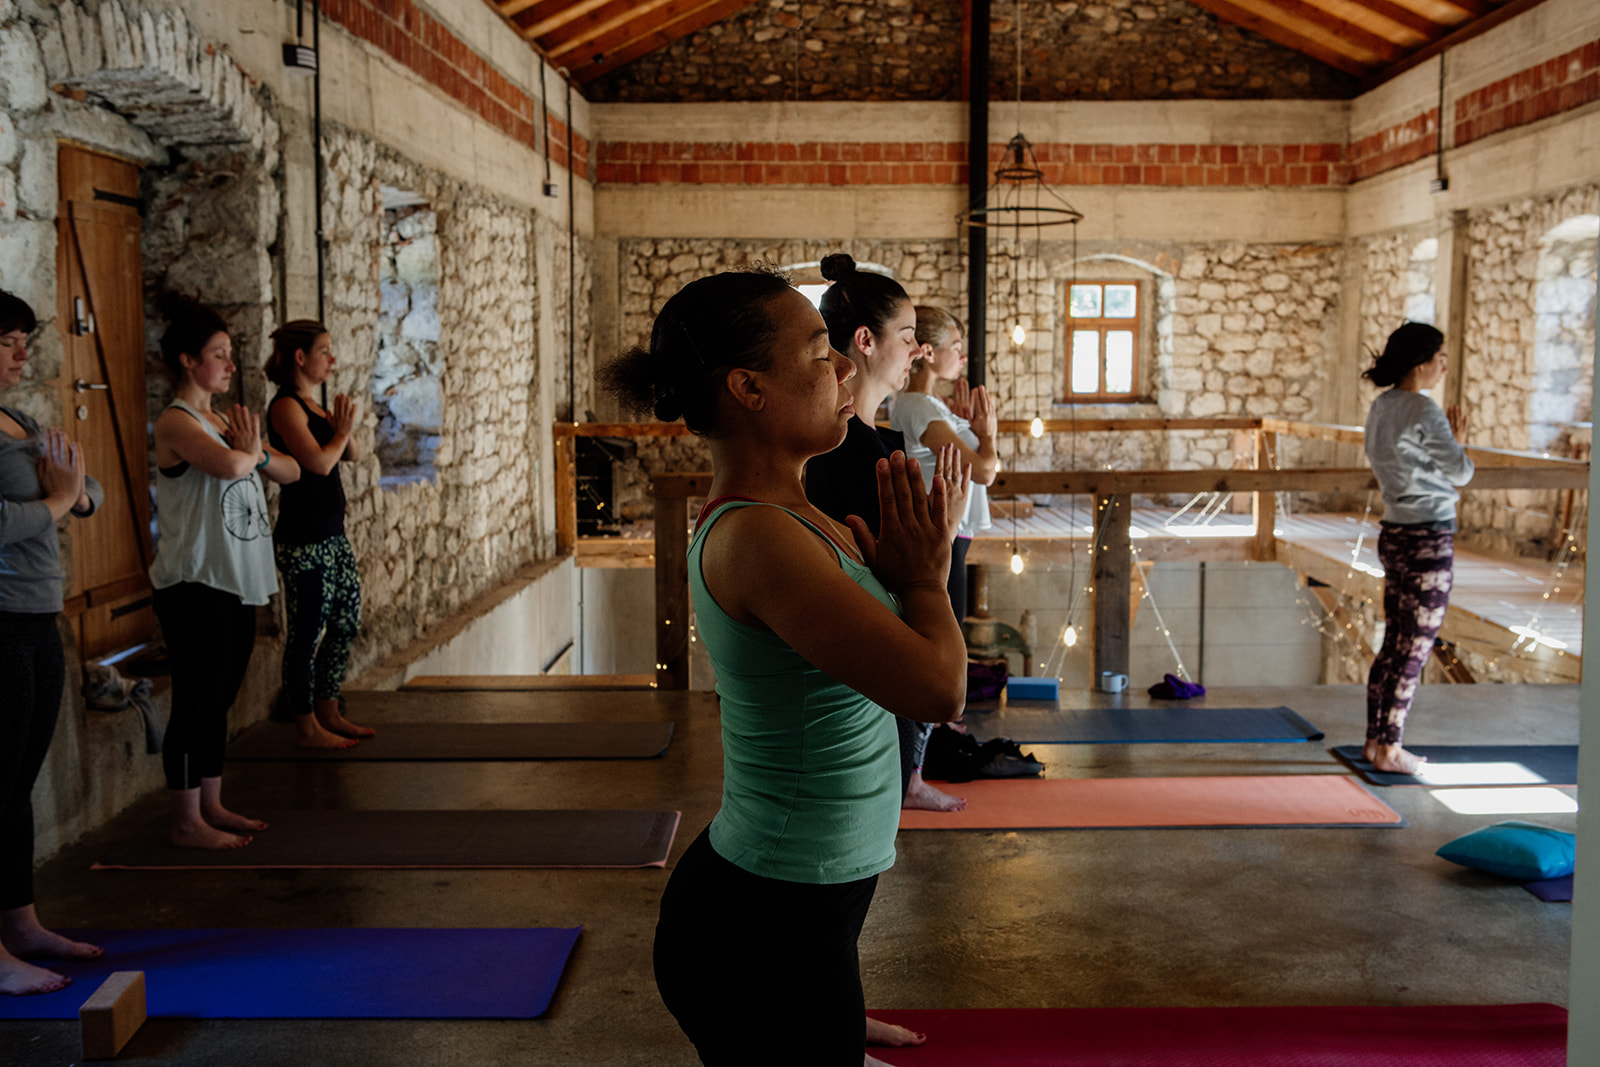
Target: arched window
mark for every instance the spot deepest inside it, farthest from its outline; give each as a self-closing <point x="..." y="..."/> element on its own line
<point x="1563" y="350"/>
<point x="407" y="396"/>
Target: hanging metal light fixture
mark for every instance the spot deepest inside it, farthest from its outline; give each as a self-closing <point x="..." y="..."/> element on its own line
<point x="1019" y="200"/>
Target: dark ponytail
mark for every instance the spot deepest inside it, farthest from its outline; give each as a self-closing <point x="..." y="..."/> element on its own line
<point x="1412" y="345"/>
<point x="190" y="325"/>
<point x="300" y="335"/>
<point x="710" y="326"/>
<point x="856" y="298"/>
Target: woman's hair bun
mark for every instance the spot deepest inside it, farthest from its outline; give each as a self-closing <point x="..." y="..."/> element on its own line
<point x="838" y="265"/>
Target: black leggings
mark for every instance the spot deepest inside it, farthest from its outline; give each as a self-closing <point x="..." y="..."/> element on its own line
<point x="755" y="968"/>
<point x="914" y="735"/>
<point x="32" y="673"/>
<point x="210" y="635"/>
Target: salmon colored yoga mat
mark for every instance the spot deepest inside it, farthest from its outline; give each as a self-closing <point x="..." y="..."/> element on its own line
<point x="340" y="838"/>
<point x="1497" y="1035"/>
<point x="1152" y="803"/>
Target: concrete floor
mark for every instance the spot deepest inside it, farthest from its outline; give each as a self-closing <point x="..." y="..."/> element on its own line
<point x="1027" y="919"/>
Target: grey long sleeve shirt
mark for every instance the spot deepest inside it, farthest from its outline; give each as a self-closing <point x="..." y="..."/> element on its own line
<point x="30" y="551"/>
<point x="1416" y="458"/>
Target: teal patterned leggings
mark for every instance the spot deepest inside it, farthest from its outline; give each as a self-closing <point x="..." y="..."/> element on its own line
<point x="322" y="595"/>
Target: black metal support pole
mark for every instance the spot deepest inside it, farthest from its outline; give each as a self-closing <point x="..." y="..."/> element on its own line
<point x="977" y="190"/>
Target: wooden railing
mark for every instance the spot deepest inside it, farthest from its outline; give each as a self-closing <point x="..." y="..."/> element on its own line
<point x="1113" y="492"/>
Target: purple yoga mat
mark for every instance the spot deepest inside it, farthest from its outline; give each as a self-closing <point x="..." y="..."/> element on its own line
<point x="319" y="974"/>
<point x="1554" y="890"/>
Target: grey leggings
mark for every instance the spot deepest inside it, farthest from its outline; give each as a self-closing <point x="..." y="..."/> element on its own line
<point x="914" y="735"/>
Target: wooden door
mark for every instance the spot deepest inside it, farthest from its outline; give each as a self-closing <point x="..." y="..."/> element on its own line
<point x="100" y="305"/>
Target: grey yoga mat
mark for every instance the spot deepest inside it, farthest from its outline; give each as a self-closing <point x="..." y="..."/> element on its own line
<point x="1495" y="765"/>
<point x="1049" y="725"/>
<point x="342" y="838"/>
<point x="468" y="741"/>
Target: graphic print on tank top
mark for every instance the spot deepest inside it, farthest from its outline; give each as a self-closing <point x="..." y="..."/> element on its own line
<point x="244" y="511"/>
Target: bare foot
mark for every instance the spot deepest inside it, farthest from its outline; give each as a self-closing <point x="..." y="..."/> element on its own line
<point x="890" y="1035"/>
<point x="18" y="979"/>
<point x="1392" y="759"/>
<point x="331" y="717"/>
<point x="309" y="733"/>
<point x="223" y="819"/>
<point x="920" y="796"/>
<point x="32" y="944"/>
<point x="206" y="837"/>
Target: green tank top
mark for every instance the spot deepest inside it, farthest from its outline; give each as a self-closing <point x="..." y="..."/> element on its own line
<point x="810" y="767"/>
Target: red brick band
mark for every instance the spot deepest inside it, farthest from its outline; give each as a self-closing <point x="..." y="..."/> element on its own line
<point x="425" y="46"/>
<point x="908" y="163"/>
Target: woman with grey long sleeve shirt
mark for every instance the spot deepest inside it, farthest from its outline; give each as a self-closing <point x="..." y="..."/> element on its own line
<point x="41" y="481"/>
<point x="1416" y="454"/>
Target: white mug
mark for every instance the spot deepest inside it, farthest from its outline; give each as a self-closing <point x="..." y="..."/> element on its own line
<point x="1112" y="682"/>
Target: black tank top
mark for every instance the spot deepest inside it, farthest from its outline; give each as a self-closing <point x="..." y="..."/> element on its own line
<point x="311" y="509"/>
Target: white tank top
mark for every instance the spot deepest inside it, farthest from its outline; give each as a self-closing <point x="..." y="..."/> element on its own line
<point x="211" y="530"/>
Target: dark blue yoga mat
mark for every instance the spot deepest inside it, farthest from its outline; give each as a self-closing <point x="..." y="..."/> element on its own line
<point x="1551" y="890"/>
<point x="1049" y="725"/>
<point x="1496" y="765"/>
<point x="319" y="974"/>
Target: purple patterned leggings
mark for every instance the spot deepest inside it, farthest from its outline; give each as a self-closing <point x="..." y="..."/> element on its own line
<point x="1416" y="589"/>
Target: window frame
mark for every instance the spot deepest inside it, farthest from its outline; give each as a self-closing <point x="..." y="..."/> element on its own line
<point x="1134" y="325"/>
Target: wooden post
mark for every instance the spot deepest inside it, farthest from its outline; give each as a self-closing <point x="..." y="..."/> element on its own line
<point x="1113" y="584"/>
<point x="1264" y="502"/>
<point x="1246" y="443"/>
<point x="672" y="588"/>
<point x="566" y="461"/>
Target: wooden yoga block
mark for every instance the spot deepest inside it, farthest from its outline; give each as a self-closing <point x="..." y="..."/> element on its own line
<point x="110" y="1018"/>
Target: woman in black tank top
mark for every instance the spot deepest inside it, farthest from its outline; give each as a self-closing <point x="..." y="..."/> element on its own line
<point x="322" y="587"/>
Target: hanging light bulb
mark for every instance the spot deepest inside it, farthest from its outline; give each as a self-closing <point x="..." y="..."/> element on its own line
<point x="1036" y="427"/>
<point x="1018" y="334"/>
<point x="1070" y="638"/>
<point x="1016" y="563"/>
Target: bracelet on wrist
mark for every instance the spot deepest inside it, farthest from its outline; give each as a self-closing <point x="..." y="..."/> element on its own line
<point x="266" y="457"/>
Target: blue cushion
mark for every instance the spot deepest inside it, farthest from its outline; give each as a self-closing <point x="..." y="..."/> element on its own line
<point x="1520" y="850"/>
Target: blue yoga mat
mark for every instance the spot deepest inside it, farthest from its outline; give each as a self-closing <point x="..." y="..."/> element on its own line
<point x="1050" y="725"/>
<point x="319" y="974"/>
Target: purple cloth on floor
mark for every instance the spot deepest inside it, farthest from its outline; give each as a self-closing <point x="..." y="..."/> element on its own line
<point x="1553" y="890"/>
<point x="1172" y="687"/>
<point x="351" y="973"/>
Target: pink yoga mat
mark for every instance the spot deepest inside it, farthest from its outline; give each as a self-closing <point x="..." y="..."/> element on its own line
<point x="1500" y="1035"/>
<point x="1127" y="803"/>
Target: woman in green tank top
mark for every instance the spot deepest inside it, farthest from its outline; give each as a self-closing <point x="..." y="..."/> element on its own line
<point x="820" y="633"/>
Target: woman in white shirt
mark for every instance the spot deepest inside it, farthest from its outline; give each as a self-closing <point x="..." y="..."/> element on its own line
<point x="1416" y="454"/>
<point x="929" y="423"/>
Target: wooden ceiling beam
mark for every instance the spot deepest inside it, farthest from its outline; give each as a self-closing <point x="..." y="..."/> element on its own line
<point x="1279" y="34"/>
<point x="697" y="17"/>
<point x="1404" y="16"/>
<point x="632" y="15"/>
<point x="1340" y="30"/>
<point x="567" y="14"/>
<point x="511" y="8"/>
<point x="1465" y="33"/>
<point x="1471" y="8"/>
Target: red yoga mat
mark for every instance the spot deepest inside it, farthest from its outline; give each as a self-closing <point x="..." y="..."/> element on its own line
<point x="1128" y="803"/>
<point x="1499" y="1035"/>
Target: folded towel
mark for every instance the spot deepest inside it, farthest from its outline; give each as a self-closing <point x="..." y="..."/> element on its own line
<point x="1172" y="687"/>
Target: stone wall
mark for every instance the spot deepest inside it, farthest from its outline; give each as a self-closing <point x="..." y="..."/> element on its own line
<point x="910" y="50"/>
<point x="1232" y="330"/>
<point x="574" y="368"/>
<point x="1501" y="358"/>
<point x="405" y="392"/>
<point x="425" y="547"/>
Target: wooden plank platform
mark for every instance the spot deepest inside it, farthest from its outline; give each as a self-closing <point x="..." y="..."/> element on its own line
<point x="528" y="682"/>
